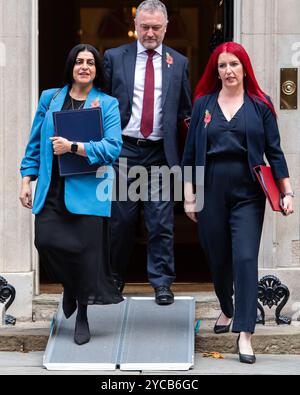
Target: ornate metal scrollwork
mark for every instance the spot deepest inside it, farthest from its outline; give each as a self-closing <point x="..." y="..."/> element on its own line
<point x="270" y="292"/>
<point x="7" y="296"/>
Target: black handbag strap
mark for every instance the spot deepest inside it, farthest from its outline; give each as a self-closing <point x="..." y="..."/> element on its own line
<point x="53" y="97"/>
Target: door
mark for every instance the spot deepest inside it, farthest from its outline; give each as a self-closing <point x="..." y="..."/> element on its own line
<point x="195" y="28"/>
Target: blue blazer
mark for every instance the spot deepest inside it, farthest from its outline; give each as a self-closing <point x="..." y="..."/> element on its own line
<point x="120" y="64"/>
<point x="262" y="136"/>
<point x="84" y="194"/>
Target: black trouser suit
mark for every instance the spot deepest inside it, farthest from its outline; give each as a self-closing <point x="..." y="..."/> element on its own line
<point x="230" y="223"/>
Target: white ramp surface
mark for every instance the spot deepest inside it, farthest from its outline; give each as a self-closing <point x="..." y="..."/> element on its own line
<point x="158" y="337"/>
<point x="101" y="353"/>
<point x="136" y="334"/>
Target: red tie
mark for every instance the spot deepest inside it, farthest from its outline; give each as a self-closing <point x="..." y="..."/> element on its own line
<point x="148" y="102"/>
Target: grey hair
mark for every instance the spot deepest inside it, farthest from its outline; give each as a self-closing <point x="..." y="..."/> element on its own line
<point x="152" y="6"/>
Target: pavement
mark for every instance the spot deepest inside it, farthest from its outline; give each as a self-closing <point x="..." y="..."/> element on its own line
<point x="14" y="363"/>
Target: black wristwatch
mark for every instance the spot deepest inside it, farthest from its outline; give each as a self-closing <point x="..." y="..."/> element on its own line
<point x="74" y="147"/>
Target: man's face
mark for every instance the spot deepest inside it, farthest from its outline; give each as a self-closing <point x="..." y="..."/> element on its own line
<point x="151" y="28"/>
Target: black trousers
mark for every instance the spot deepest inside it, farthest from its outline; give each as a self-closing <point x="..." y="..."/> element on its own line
<point x="158" y="214"/>
<point x="230" y="226"/>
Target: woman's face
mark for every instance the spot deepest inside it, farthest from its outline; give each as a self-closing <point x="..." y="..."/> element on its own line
<point x="231" y="70"/>
<point x="84" y="71"/>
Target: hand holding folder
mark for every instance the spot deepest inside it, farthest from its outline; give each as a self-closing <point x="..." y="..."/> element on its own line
<point x="82" y="126"/>
<point x="269" y="186"/>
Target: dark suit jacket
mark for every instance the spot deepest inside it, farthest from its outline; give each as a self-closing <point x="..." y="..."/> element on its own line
<point x="262" y="136"/>
<point x="120" y="63"/>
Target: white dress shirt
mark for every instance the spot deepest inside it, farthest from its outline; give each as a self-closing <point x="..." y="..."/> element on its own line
<point x="133" y="127"/>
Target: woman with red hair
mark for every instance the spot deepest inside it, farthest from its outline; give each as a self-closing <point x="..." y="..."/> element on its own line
<point x="233" y="125"/>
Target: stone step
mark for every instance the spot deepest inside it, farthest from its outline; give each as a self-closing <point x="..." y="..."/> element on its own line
<point x="207" y="306"/>
<point x="268" y="339"/>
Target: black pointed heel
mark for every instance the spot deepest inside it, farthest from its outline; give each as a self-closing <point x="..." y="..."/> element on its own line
<point x="221" y="328"/>
<point x="245" y="358"/>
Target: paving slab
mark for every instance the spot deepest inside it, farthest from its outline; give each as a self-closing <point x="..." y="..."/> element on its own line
<point x="31" y="364"/>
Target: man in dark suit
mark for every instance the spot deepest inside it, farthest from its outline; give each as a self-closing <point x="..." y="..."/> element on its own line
<point x="151" y="83"/>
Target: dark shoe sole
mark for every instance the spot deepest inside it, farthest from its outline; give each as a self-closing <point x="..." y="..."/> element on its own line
<point x="164" y="302"/>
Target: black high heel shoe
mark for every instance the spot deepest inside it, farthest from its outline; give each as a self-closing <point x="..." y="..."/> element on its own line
<point x="245" y="358"/>
<point x="221" y="328"/>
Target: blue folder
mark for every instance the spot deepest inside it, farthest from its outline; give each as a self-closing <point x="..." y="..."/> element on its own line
<point x="80" y="126"/>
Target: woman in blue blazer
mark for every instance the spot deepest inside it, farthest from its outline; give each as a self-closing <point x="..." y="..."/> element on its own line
<point x="71" y="223"/>
<point x="233" y="125"/>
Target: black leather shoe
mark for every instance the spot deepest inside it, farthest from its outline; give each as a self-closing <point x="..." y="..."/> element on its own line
<point x="69" y="304"/>
<point x="221" y="328"/>
<point x="245" y="358"/>
<point x="163" y="295"/>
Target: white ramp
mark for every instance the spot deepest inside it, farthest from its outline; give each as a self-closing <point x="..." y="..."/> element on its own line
<point x="136" y="334"/>
<point x="101" y="353"/>
<point x="158" y="337"/>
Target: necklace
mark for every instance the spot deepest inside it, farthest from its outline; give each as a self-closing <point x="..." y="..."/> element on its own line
<point x="79" y="107"/>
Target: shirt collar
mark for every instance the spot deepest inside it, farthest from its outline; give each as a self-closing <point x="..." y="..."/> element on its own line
<point x="141" y="48"/>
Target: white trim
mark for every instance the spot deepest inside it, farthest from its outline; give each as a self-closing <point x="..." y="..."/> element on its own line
<point x="2" y="54"/>
<point x="34" y="56"/>
<point x="34" y="102"/>
<point x="237" y="21"/>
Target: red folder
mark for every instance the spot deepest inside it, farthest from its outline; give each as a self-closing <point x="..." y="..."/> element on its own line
<point x="269" y="186"/>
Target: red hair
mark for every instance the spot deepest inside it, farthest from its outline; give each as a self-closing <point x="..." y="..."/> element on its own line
<point x="210" y="82"/>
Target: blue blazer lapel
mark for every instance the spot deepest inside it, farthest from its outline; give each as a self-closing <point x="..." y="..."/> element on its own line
<point x="166" y="73"/>
<point x="129" y="59"/>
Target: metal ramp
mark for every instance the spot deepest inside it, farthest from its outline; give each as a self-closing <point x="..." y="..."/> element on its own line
<point x="136" y="334"/>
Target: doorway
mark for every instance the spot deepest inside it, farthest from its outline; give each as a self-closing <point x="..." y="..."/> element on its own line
<point x="195" y="28"/>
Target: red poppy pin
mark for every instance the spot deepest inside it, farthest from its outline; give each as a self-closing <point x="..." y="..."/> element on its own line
<point x="96" y="103"/>
<point x="169" y="59"/>
<point x="207" y="118"/>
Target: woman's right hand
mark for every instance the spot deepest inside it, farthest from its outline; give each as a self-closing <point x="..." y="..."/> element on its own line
<point x="190" y="209"/>
<point x="26" y="194"/>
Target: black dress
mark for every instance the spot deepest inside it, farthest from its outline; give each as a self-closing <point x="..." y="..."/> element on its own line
<point x="75" y="249"/>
